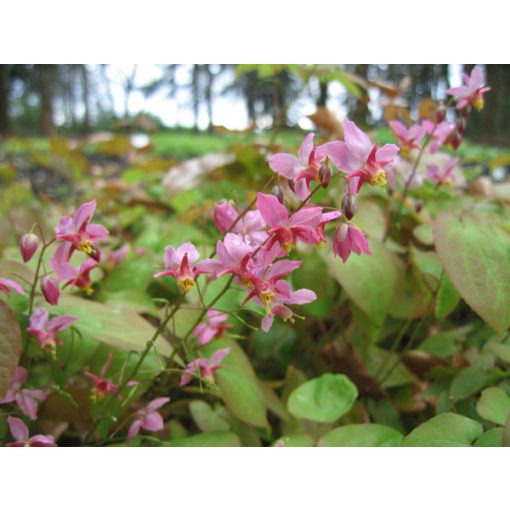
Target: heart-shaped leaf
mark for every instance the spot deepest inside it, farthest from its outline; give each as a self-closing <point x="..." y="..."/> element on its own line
<point x="494" y="405"/>
<point x="362" y="434"/>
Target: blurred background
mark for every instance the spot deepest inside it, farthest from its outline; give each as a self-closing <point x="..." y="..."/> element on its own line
<point x="79" y="99"/>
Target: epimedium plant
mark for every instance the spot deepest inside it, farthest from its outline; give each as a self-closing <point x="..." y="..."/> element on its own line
<point x="280" y="335"/>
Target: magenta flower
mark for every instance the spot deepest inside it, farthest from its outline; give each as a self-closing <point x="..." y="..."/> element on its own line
<point x="45" y="330"/>
<point x="177" y="264"/>
<point x="325" y="219"/>
<point x="472" y="92"/>
<point x="212" y="327"/>
<point x="363" y="161"/>
<point x="102" y="385"/>
<point x="439" y="133"/>
<point x="50" y="290"/>
<point x="26" y="399"/>
<point x="77" y="277"/>
<point x="302" y="170"/>
<point x="79" y="233"/>
<point x="116" y="257"/>
<point x="251" y="227"/>
<point x="443" y="176"/>
<point x="6" y="285"/>
<point x="349" y="238"/>
<point x="233" y="255"/>
<point x="206" y="368"/>
<point x="287" y="230"/>
<point x="409" y="138"/>
<point x="28" y="245"/>
<point x="148" y="418"/>
<point x="19" y="432"/>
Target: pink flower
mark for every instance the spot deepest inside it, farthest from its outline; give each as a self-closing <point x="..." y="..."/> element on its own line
<point x="443" y="175"/>
<point x="287" y="230"/>
<point x="251" y="227"/>
<point x="212" y="327"/>
<point x="440" y="134"/>
<point x="233" y="254"/>
<point x="206" y="368"/>
<point x="77" y="277"/>
<point x="349" y="238"/>
<point x="45" y="329"/>
<point x="27" y="400"/>
<point x="148" y="418"/>
<point x="79" y="233"/>
<point x="472" y="92"/>
<point x="49" y="287"/>
<point x="409" y="138"/>
<point x="19" y="432"/>
<point x="116" y="257"/>
<point x="102" y="385"/>
<point x="6" y="285"/>
<point x="28" y="245"/>
<point x="303" y="169"/>
<point x="363" y="161"/>
<point x="177" y="264"/>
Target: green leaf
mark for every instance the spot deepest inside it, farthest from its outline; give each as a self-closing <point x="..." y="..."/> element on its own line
<point x="447" y="298"/>
<point x="494" y="405"/>
<point x="443" y="344"/>
<point x="491" y="438"/>
<point x="502" y="351"/>
<point x="324" y="399"/>
<point x="295" y="440"/>
<point x="368" y="280"/>
<point x="363" y="434"/>
<point x="10" y="347"/>
<point x="238" y="384"/>
<point x="112" y="324"/>
<point x="475" y="255"/>
<point x="207" y="418"/>
<point x="207" y="439"/>
<point x="467" y="382"/>
<point x="447" y="429"/>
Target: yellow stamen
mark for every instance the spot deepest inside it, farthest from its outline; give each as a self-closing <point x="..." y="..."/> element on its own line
<point x="479" y="104"/>
<point x="379" y="179"/>
<point x="86" y="247"/>
<point x="288" y="247"/>
<point x="267" y="299"/>
<point x="88" y="290"/>
<point x="186" y="284"/>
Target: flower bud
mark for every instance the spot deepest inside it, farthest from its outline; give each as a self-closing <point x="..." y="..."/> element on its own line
<point x="28" y="245"/>
<point x="455" y="139"/>
<point x="461" y="125"/>
<point x="277" y="192"/>
<point x="49" y="287"/>
<point x="349" y="206"/>
<point x="325" y="174"/>
<point x="441" y="113"/>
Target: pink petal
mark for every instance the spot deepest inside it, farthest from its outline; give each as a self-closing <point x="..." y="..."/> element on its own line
<point x="157" y="403"/>
<point x="286" y="165"/>
<point x="12" y="284"/>
<point x="97" y="232"/>
<point x="273" y="212"/>
<point x="218" y="356"/>
<point x="153" y="422"/>
<point x="19" y="430"/>
<point x="306" y="149"/>
<point x="83" y="214"/>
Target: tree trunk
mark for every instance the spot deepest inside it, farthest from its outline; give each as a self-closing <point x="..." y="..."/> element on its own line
<point x="85" y="97"/>
<point x="4" y="100"/>
<point x="47" y="77"/>
<point x="323" y="94"/>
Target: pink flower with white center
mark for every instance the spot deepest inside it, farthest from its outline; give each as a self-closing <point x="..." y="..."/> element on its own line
<point x="19" y="432"/>
<point x="45" y="330"/>
<point x="439" y="133"/>
<point x="148" y="418"/>
<point x="302" y="170"/>
<point x="363" y="161"/>
<point x="76" y="277"/>
<point x="472" y="92"/>
<point x="50" y="290"/>
<point x="102" y="385"/>
<point x="213" y="327"/>
<point x="28" y="245"/>
<point x="177" y="265"/>
<point x="443" y="176"/>
<point x="349" y="238"/>
<point x="409" y="138"/>
<point x="204" y="367"/>
<point x="80" y="233"/>
<point x="251" y="227"/>
<point x="288" y="229"/>
<point x="6" y="285"/>
<point x="26" y="399"/>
